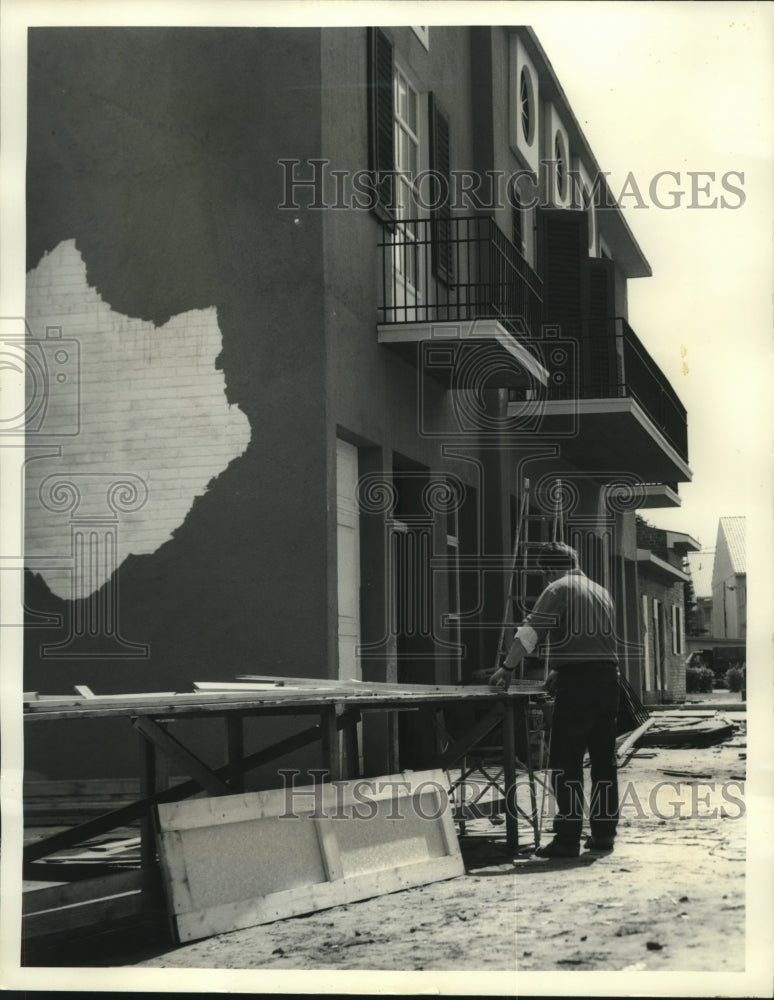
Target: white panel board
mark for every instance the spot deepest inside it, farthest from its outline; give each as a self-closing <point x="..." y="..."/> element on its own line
<point x="238" y="860"/>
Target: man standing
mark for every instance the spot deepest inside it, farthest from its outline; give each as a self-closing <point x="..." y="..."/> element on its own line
<point x="576" y="615"/>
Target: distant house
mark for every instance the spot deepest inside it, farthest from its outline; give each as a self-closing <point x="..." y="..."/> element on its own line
<point x="661" y="577"/>
<point x="700" y="568"/>
<point x="729" y="580"/>
<point x="720" y="586"/>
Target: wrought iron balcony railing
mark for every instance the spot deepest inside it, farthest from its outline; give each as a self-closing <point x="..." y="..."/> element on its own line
<point x="610" y="362"/>
<point x="457" y="269"/>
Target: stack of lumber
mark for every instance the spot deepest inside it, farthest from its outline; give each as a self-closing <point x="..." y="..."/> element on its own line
<point x="67" y="803"/>
<point x="687" y="731"/>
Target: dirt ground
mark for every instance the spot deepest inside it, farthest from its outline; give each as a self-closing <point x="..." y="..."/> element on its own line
<point x="670" y="897"/>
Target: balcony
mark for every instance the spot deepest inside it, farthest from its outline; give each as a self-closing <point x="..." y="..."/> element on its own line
<point x="659" y="495"/>
<point x="457" y="298"/>
<point x="609" y="404"/>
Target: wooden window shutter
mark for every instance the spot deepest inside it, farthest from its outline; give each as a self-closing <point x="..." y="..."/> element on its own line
<point x="381" y="115"/>
<point x="564" y="268"/>
<point x="601" y="354"/>
<point x="440" y="164"/>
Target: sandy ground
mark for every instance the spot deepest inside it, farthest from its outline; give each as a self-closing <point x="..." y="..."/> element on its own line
<point x="670" y="897"/>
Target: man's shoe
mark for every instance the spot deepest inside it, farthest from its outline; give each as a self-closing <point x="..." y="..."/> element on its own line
<point x="559" y="849"/>
<point x="599" y="843"/>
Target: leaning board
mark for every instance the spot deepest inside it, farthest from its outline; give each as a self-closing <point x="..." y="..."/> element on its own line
<point x="239" y="860"/>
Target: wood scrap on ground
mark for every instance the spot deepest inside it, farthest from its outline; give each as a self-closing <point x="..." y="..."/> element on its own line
<point x="702" y="733"/>
<point x="626" y="749"/>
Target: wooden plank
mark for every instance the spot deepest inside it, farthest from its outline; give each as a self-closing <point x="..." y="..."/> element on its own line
<point x="470" y="738"/>
<point x="317" y="682"/>
<point x="83" y="691"/>
<point x="235" y="748"/>
<point x="509" y="776"/>
<point x="148" y="786"/>
<point x="91" y="913"/>
<point x="84" y="890"/>
<point x="448" y="831"/>
<point x="328" y="799"/>
<point x="307" y="899"/>
<point x="201" y="703"/>
<point x="351" y="756"/>
<point x="92" y="787"/>
<point x="128" y="814"/>
<point x="632" y="738"/>
<point x="331" y="749"/>
<point x="66" y="870"/>
<point x="235" y="686"/>
<point x="382" y="687"/>
<point x="699" y="735"/>
<point x="182" y="756"/>
<point x="393" y="742"/>
<point x="173" y="870"/>
<point x="329" y="847"/>
<point x="209" y="703"/>
<point x="534" y="820"/>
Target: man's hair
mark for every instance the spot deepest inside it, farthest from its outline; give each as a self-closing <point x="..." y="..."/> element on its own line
<point x="557" y="556"/>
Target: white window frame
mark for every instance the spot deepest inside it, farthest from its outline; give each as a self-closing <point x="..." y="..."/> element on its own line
<point x="407" y="138"/>
<point x="658" y="642"/>
<point x="677" y="630"/>
<point x="647" y="661"/>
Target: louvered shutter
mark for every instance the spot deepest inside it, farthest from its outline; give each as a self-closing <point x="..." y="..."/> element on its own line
<point x="564" y="255"/>
<point x="564" y="268"/>
<point x="601" y="355"/>
<point x="440" y="163"/>
<point x="381" y="114"/>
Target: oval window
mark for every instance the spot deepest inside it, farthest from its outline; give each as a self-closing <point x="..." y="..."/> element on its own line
<point x="561" y="165"/>
<point x="527" y="106"/>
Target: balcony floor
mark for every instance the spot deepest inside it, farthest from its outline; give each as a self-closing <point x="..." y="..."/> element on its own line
<point x="606" y="436"/>
<point x="466" y="353"/>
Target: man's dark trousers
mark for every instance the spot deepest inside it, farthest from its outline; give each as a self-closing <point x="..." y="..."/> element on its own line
<point x="585" y="719"/>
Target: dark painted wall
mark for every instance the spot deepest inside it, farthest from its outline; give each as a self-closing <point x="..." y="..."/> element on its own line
<point x="156" y="150"/>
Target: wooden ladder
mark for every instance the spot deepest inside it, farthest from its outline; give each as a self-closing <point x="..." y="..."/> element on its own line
<point x="519" y="560"/>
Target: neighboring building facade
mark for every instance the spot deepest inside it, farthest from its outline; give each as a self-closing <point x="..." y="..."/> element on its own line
<point x="729" y="580"/>
<point x="700" y="566"/>
<point x="661" y="563"/>
<point x="720" y="576"/>
<point x="312" y="404"/>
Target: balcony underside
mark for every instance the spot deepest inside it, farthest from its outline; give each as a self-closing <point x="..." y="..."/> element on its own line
<point x="612" y="436"/>
<point x="465" y="354"/>
<point x="659" y="495"/>
<point x="659" y="568"/>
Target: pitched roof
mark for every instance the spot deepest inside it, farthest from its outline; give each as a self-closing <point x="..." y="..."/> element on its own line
<point x="733" y="528"/>
<point x="700" y="565"/>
